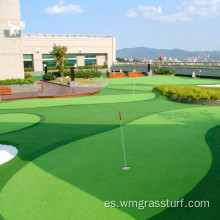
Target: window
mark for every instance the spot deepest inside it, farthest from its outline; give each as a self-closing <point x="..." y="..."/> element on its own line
<point x="28" y="64"/>
<point x="27" y="56"/>
<point x="28" y="60"/>
<point x="90" y="62"/>
<point x="49" y="63"/>
<point x="70" y="55"/>
<point x="90" y="55"/>
<point x="47" y="56"/>
<point x="71" y="62"/>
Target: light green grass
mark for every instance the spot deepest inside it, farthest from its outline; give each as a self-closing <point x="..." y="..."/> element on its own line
<point x="13" y="122"/>
<point x="87" y="100"/>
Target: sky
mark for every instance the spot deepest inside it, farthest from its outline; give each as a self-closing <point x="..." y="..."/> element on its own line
<point x="163" y="24"/>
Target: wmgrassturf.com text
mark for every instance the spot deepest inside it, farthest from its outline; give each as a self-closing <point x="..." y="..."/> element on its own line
<point x="142" y="204"/>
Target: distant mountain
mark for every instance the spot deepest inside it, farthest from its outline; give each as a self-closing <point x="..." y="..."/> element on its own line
<point x="152" y="54"/>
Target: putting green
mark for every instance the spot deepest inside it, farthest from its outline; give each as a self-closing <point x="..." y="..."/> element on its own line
<point x="152" y="80"/>
<point x="167" y="153"/>
<point x="76" y="101"/>
<point x="14" y="122"/>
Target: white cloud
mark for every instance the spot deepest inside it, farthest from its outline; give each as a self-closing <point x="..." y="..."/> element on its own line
<point x="64" y="9"/>
<point x="188" y="10"/>
<point x="203" y="8"/>
<point x="156" y="13"/>
<point x="62" y="2"/>
<point x="150" y="11"/>
<point x="132" y="13"/>
<point x="175" y="18"/>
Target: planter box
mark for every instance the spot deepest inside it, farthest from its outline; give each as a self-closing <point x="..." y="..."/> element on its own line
<point x="134" y="74"/>
<point x="116" y="75"/>
<point x="24" y="88"/>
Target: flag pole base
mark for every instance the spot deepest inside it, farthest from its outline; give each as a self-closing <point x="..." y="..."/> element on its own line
<point x="126" y="168"/>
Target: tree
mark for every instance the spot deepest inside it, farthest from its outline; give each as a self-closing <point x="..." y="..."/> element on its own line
<point x="59" y="53"/>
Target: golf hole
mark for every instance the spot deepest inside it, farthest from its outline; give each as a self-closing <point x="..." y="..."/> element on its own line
<point x="126" y="168"/>
<point x="7" y="153"/>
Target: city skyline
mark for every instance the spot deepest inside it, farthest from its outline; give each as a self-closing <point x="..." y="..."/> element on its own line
<point x="185" y="24"/>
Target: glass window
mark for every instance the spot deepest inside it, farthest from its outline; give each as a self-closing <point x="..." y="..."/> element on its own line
<point x="71" y="62"/>
<point x="90" y="62"/>
<point x="27" y="56"/>
<point x="28" y="64"/>
<point x="47" y="56"/>
<point x="90" y="55"/>
<point x="49" y="63"/>
<point x="70" y="55"/>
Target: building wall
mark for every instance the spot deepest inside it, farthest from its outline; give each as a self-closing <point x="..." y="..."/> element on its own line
<point x="39" y="44"/>
<point x="11" y="61"/>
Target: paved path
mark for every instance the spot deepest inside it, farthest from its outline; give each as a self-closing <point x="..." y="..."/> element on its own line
<point x="51" y="90"/>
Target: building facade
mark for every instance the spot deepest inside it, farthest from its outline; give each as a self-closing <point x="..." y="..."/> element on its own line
<point x="11" y="61"/>
<point x="33" y="50"/>
<point x="81" y="50"/>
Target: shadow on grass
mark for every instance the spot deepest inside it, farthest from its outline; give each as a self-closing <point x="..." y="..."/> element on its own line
<point x="207" y="190"/>
<point x="46" y="137"/>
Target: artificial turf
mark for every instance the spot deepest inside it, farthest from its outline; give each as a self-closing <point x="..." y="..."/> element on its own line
<point x="70" y="161"/>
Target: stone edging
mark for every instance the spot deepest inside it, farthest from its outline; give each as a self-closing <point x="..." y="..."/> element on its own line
<point x="24" y="88"/>
<point x="102" y="84"/>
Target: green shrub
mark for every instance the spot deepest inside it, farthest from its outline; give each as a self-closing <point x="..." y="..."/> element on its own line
<point x="28" y="75"/>
<point x="51" y="68"/>
<point x="49" y="77"/>
<point x="28" y="69"/>
<point x="29" y="79"/>
<point x="87" y="74"/>
<point x="189" y="92"/>
<point x="165" y="71"/>
<point x="162" y="71"/>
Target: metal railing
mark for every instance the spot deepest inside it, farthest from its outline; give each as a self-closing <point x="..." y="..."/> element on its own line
<point x="64" y="35"/>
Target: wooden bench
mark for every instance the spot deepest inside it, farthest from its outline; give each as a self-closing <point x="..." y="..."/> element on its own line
<point x="5" y="90"/>
<point x="134" y="74"/>
<point x="116" y="75"/>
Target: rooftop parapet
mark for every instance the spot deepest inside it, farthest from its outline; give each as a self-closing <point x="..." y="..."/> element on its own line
<point x="64" y="35"/>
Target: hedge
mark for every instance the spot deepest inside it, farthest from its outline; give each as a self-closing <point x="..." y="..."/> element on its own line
<point x="29" y="79"/>
<point x="78" y="74"/>
<point x="164" y="71"/>
<point x="79" y="67"/>
<point x="28" y="69"/>
<point x="189" y="92"/>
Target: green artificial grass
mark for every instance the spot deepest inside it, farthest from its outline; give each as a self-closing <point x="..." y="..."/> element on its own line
<point x="160" y="80"/>
<point x="189" y="92"/>
<point x="38" y="77"/>
<point x="87" y="100"/>
<point x="70" y="162"/>
<point x="13" y="122"/>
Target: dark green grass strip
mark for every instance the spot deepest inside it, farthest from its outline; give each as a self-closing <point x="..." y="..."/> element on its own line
<point x="207" y="190"/>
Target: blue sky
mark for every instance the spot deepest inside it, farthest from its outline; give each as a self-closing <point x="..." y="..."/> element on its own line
<point x="183" y="24"/>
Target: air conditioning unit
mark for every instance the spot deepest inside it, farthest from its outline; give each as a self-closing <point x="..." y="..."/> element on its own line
<point x="15" y="30"/>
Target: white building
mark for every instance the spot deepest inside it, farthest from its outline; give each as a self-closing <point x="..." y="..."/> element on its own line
<point x="83" y="50"/>
<point x="11" y="61"/>
<point x="33" y="50"/>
